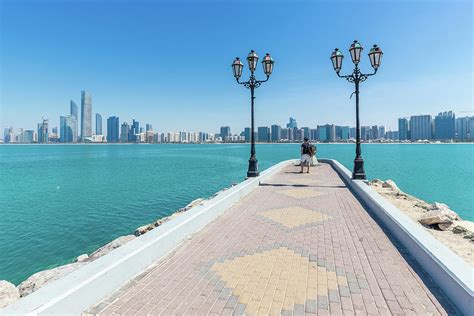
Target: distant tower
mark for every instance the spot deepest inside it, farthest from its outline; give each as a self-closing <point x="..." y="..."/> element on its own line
<point x="98" y="124"/>
<point x="43" y="131"/>
<point x="113" y="127"/>
<point x="86" y="115"/>
<point x="292" y="123"/>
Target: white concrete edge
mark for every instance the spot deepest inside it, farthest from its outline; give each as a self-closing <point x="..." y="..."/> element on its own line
<point x="450" y="272"/>
<point x="81" y="289"/>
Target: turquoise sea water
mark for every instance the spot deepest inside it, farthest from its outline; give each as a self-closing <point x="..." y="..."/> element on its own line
<point x="59" y="201"/>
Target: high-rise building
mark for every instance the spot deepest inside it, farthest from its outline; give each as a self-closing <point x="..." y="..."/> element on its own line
<point x="365" y="133"/>
<point x="462" y="128"/>
<point x="444" y="126"/>
<point x="73" y="109"/>
<point x="28" y="136"/>
<point x="247" y="134"/>
<point x="86" y="115"/>
<point x="352" y="132"/>
<point x="342" y="132"/>
<point x="98" y="124"/>
<point x="67" y="129"/>
<point x="276" y="133"/>
<point x="327" y="133"/>
<point x="43" y="131"/>
<point x="149" y="127"/>
<point x="313" y="134"/>
<point x="134" y="134"/>
<point x="420" y="127"/>
<point x="263" y="134"/>
<point x="403" y="128"/>
<point x="113" y="126"/>
<point x="225" y="133"/>
<point x="292" y="124"/>
<point x="306" y="132"/>
<point x="374" y="132"/>
<point x="382" y="131"/>
<point x="124" y="132"/>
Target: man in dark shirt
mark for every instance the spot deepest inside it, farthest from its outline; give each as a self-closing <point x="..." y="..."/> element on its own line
<point x="306" y="154"/>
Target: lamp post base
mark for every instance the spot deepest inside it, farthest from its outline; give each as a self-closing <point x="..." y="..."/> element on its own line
<point x="253" y="168"/>
<point x="359" y="173"/>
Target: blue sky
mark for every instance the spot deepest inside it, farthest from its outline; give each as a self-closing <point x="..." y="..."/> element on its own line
<point x="168" y="62"/>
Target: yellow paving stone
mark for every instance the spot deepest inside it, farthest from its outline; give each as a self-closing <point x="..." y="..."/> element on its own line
<point x="294" y="216"/>
<point x="341" y="280"/>
<point x="301" y="193"/>
<point x="262" y="289"/>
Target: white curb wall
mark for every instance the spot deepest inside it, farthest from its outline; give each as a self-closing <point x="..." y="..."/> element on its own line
<point x="450" y="272"/>
<point x="79" y="290"/>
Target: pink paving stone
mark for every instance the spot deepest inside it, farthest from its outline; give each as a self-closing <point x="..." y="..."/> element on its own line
<point x="348" y="243"/>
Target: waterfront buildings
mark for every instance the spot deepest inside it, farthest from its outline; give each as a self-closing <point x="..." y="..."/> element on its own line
<point x="225" y="133"/>
<point x="43" y="131"/>
<point x="263" y="134"/>
<point x="113" y="127"/>
<point x="276" y="133"/>
<point x="326" y="133"/>
<point x="420" y="127"/>
<point x="403" y="129"/>
<point x="124" y="132"/>
<point x="86" y="115"/>
<point x="67" y="129"/>
<point x="292" y="124"/>
<point x="98" y="124"/>
<point x="444" y="126"/>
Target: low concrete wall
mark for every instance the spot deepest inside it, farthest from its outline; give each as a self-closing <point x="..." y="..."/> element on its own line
<point x="81" y="289"/>
<point x="452" y="274"/>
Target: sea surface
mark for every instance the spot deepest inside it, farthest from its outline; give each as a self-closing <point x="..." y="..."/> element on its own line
<point x="60" y="201"/>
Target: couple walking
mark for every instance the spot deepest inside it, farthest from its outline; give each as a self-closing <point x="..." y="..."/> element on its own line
<point x="308" y="155"/>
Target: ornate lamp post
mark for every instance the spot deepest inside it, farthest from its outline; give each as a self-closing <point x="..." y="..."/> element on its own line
<point x="375" y="56"/>
<point x="251" y="84"/>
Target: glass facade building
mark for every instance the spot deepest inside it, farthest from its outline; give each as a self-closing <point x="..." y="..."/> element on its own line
<point x="98" y="124"/>
<point x="420" y="127"/>
<point x="445" y="126"/>
<point x="113" y="127"/>
<point x="86" y="115"/>
<point x="67" y="129"/>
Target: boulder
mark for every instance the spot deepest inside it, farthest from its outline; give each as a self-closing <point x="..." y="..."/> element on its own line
<point x="8" y="293"/>
<point x="391" y="185"/>
<point x="102" y="251"/>
<point x="42" y="278"/>
<point x="376" y="182"/>
<point x="143" y="229"/>
<point x="436" y="218"/>
<point x="82" y="258"/>
<point x="445" y="210"/>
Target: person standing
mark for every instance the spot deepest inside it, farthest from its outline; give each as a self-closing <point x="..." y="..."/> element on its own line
<point x="306" y="154"/>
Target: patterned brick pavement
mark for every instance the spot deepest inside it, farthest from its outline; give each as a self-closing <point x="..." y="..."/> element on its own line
<point x="298" y="244"/>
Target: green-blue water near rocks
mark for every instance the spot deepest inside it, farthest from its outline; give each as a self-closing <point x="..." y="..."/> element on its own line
<point x="59" y="201"/>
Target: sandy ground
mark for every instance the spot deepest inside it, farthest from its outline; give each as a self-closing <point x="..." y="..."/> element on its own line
<point x="415" y="208"/>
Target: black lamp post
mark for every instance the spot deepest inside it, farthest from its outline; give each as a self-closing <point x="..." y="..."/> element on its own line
<point x="375" y="56"/>
<point x="253" y="83"/>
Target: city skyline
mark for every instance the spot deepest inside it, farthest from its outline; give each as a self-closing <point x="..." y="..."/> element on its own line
<point x="148" y="73"/>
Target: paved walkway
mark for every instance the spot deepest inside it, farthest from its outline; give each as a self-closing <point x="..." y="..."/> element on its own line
<point x="299" y="244"/>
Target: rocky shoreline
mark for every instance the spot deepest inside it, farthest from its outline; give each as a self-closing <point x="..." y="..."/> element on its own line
<point x="436" y="218"/>
<point x="9" y="293"/>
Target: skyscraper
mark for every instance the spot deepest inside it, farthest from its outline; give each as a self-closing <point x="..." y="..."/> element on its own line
<point x="43" y="131"/>
<point x="342" y="132"/>
<point x="113" y="127"/>
<point x="382" y="131"/>
<point x="86" y="115"/>
<point x="292" y="123"/>
<point x="403" y="128"/>
<point x="247" y="134"/>
<point x="462" y="128"/>
<point x="67" y="129"/>
<point x="124" y="132"/>
<point x="149" y="127"/>
<point x="326" y="133"/>
<point x="375" y="132"/>
<point x="263" y="134"/>
<point x="225" y="133"/>
<point x="306" y="132"/>
<point x="73" y="109"/>
<point x="98" y="124"/>
<point x="420" y="127"/>
<point x="276" y="133"/>
<point x="444" y="126"/>
<point x="134" y="134"/>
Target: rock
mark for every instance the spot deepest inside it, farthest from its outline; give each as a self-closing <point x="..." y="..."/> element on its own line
<point x="459" y="230"/>
<point x="391" y="185"/>
<point x="469" y="236"/>
<point x="445" y="210"/>
<point x="436" y="218"/>
<point x="82" y="258"/>
<point x="143" y="229"/>
<point x="376" y="182"/>
<point x="42" y="278"/>
<point x="8" y="293"/>
<point x="111" y="246"/>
